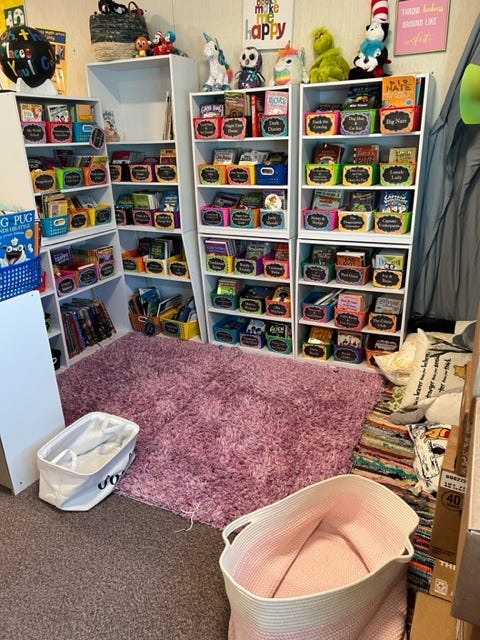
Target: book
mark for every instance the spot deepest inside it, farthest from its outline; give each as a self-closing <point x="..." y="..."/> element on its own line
<point x="396" y="201"/>
<point x="224" y="156"/>
<point x="111" y="122"/>
<point x="328" y="153"/>
<point x="322" y="254"/>
<point x="402" y="155"/>
<point x="362" y="201"/>
<point x="399" y="91"/>
<point x="237" y="104"/>
<point x="366" y="153"/>
<point x="17" y="237"/>
<point x="276" y="102"/>
<point x="363" y="97"/>
<point x="326" y="199"/>
<point x="212" y="110"/>
<point x="169" y="201"/>
<point x="257" y="107"/>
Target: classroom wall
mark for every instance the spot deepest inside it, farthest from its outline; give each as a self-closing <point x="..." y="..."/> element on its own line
<point x="346" y="19"/>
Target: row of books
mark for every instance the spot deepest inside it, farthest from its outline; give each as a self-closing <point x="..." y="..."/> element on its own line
<point x="392" y="91"/>
<point x="86" y="322"/>
<point x="394" y="201"/>
<point x="362" y="154"/>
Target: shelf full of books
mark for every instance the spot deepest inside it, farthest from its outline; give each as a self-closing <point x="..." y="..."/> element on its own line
<point x="361" y="157"/>
<point x="145" y="106"/>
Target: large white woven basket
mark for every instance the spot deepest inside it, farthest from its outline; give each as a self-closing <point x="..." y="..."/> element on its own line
<point x="328" y="562"/>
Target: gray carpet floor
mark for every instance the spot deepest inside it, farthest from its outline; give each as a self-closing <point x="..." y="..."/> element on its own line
<point x="123" y="570"/>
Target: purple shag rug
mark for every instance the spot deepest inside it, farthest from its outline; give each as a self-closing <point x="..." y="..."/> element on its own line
<point x="222" y="431"/>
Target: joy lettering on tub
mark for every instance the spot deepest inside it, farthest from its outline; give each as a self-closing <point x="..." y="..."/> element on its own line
<point x="267" y="25"/>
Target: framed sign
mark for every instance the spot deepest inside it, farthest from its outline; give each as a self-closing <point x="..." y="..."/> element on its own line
<point x="267" y="24"/>
<point x="421" y="27"/>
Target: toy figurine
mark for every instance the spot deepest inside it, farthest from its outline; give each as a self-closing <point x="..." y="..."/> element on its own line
<point x="108" y="6"/>
<point x="249" y="75"/>
<point x="329" y="64"/>
<point x="142" y="47"/>
<point x="373" y="54"/>
<point x="163" y="43"/>
<point x="220" y="73"/>
<point x="289" y="67"/>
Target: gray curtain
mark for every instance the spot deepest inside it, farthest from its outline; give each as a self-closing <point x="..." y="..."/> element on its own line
<point x="446" y="270"/>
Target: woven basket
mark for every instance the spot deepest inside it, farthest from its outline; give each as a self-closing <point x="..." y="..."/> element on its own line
<point x="113" y="35"/>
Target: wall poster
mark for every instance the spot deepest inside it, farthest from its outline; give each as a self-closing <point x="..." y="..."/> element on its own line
<point x="267" y="24"/>
<point x="421" y="26"/>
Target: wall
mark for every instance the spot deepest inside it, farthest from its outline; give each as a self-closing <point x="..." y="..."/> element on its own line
<point x="346" y="19"/>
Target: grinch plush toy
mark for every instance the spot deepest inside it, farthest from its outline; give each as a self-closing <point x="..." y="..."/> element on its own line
<point x="373" y="54"/>
<point x="329" y="63"/>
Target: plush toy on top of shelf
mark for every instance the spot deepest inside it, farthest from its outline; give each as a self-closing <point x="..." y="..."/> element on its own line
<point x="220" y="73"/>
<point x="250" y="76"/>
<point x="329" y="64"/>
<point x="289" y="67"/>
<point x="143" y="47"/>
<point x="373" y="53"/>
<point x="163" y="43"/>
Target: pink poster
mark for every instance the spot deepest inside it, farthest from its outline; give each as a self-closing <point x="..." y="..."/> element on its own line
<point x="421" y="27"/>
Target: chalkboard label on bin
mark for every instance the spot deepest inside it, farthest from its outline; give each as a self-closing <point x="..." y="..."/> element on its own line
<point x="272" y="219"/>
<point x="320" y="175"/>
<point x="274" y="126"/>
<point x="388" y="279"/>
<point x="239" y="175"/>
<point x="356" y="123"/>
<point x="357" y="175"/>
<point x="396" y="174"/>
<point x="61" y="133"/>
<point x="212" y="217"/>
<point x="166" y="172"/>
<point x="98" y="175"/>
<point x="382" y="323"/>
<point x="389" y="224"/>
<point x="206" y="128"/>
<point x="316" y="272"/>
<point x="223" y="302"/>
<point x="178" y="269"/>
<point x="320" y="124"/>
<point x="396" y="121"/>
<point x="141" y="173"/>
<point x="33" y="132"/>
<point x="280" y="346"/>
<point x="244" y="266"/>
<point x="347" y="320"/>
<point x="78" y="220"/>
<point x="316" y="220"/>
<point x="275" y="270"/>
<point x="233" y="127"/>
<point x="352" y="222"/>
<point x="314" y="313"/>
<point x="154" y="266"/>
<point x="349" y="275"/>
<point x="107" y="269"/>
<point x="72" y="179"/>
<point x="240" y="218"/>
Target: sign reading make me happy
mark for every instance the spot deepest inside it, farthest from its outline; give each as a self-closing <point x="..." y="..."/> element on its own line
<point x="267" y="24"/>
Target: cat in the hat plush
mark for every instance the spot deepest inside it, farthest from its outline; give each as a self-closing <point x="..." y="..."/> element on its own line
<point x="373" y="53"/>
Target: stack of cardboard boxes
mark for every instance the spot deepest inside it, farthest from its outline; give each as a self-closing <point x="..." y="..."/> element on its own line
<point x="451" y="611"/>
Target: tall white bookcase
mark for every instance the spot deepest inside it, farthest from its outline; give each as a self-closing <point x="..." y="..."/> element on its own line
<point x="312" y="233"/>
<point x="139" y="93"/>
<point x="16" y="188"/>
<point x="284" y="140"/>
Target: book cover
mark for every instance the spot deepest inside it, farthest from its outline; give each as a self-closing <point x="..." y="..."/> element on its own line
<point x="276" y="102"/>
<point x="326" y="199"/>
<point x="328" y="153"/>
<point x="399" y="91"/>
<point x="396" y="201"/>
<point x="363" y="97"/>
<point x="362" y="200"/>
<point x="17" y="243"/>
<point x="111" y="121"/>
<point x="401" y="155"/>
<point x="366" y="153"/>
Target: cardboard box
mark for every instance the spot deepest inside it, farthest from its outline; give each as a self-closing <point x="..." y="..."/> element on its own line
<point x="432" y="619"/>
<point x="443" y="580"/>
<point x="467" y="588"/>
<point x="448" y="507"/>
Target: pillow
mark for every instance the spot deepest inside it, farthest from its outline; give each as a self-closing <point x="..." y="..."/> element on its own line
<point x="397" y="366"/>
<point x="439" y="367"/>
<point x="429" y="443"/>
<point x="444" y="408"/>
<point x="465" y="334"/>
